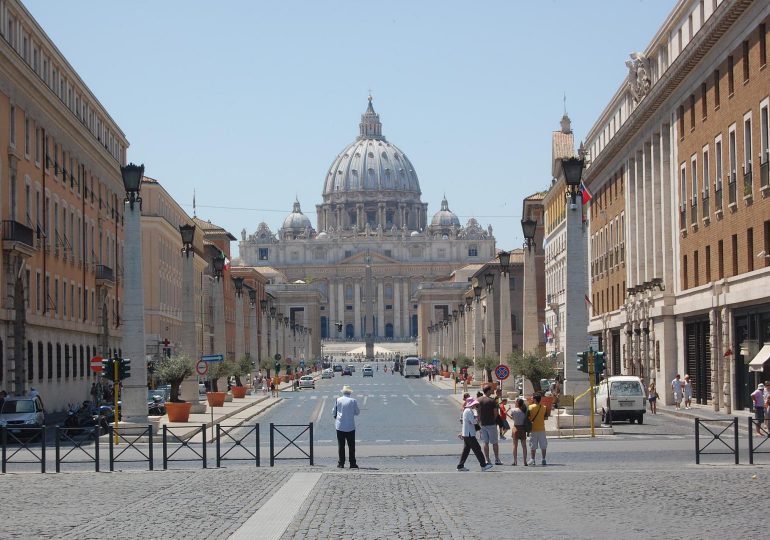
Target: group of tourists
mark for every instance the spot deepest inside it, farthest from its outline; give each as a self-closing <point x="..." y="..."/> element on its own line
<point x="682" y="388"/>
<point x="487" y="416"/>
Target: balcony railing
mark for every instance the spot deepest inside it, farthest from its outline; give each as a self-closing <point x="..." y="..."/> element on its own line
<point x="718" y="198"/>
<point x="694" y="212"/>
<point x="706" y="206"/>
<point x="748" y="188"/>
<point x="764" y="181"/>
<point x="13" y="231"/>
<point x="104" y="273"/>
<point x="682" y="218"/>
<point x="731" y="190"/>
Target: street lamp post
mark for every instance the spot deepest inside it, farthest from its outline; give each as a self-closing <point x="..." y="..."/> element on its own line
<point x="240" y="341"/>
<point x="506" y="336"/>
<point x="264" y="351"/>
<point x="489" y="322"/>
<point x="189" y="343"/>
<point x="532" y="333"/>
<point x="134" y="393"/>
<point x="217" y="287"/>
<point x="468" y="327"/>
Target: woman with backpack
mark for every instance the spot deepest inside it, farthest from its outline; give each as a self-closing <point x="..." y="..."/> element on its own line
<point x="519" y="417"/>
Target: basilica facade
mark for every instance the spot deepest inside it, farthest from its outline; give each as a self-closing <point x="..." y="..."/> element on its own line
<point x="371" y="222"/>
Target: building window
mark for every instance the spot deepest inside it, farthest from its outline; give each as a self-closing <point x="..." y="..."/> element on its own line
<point x="762" y="44"/>
<point x="50" y="361"/>
<point x="263" y="254"/>
<point x="692" y="112"/>
<point x="708" y="264"/>
<point x="388" y="253"/>
<point x="12" y="125"/>
<point x="348" y="253"/>
<point x="695" y="269"/>
<point x="703" y="101"/>
<point x="750" y="249"/>
<point x="747" y="150"/>
<point x="733" y="158"/>
<point x="67" y="362"/>
<point x="745" y="61"/>
<point x="735" y="254"/>
<point x="40" y="361"/>
<point x="721" y="259"/>
<point x="473" y="251"/>
<point x="767" y="243"/>
<point x="764" y="153"/>
<point x="716" y="89"/>
<point x="684" y="272"/>
<point x="694" y="194"/>
<point x="730" y="76"/>
<point x="58" y="361"/>
<point x="681" y="121"/>
<point x="718" y="172"/>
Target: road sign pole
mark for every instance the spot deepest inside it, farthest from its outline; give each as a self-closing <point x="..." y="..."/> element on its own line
<point x="116" y="380"/>
<point x="591" y="386"/>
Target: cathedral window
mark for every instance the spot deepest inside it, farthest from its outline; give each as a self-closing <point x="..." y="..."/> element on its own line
<point x="263" y="254"/>
<point x="473" y="251"/>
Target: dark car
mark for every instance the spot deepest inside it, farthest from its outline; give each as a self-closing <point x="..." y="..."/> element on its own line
<point x="346" y="371"/>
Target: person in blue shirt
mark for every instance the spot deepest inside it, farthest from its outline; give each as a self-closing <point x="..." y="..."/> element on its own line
<point x="345" y="410"/>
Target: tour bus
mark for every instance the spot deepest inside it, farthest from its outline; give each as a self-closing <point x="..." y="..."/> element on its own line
<point x="411" y="367"/>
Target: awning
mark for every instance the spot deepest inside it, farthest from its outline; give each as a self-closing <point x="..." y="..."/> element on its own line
<point x="758" y="363"/>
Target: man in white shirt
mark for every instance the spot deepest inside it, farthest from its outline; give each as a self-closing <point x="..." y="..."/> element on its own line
<point x="345" y="410"/>
<point x="676" y="386"/>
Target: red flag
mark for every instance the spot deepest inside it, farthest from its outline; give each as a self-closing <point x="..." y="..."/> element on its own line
<point x="586" y="194"/>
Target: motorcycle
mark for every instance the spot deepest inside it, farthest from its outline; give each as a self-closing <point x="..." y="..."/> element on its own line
<point x="156" y="407"/>
<point x="81" y="417"/>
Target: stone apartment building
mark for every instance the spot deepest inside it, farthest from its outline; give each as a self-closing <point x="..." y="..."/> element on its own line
<point x="679" y="211"/>
<point x="61" y="206"/>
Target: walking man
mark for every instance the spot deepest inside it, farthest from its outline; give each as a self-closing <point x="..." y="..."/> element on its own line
<point x="676" y="386"/>
<point x="469" y="437"/>
<point x="345" y="410"/>
<point x="488" y="413"/>
<point x="536" y="414"/>
<point x="758" y="398"/>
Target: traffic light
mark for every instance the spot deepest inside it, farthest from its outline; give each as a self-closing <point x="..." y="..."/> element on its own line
<point x="582" y="362"/>
<point x="107" y="369"/>
<point x="599" y="362"/>
<point x="277" y="367"/>
<point x="124" y="368"/>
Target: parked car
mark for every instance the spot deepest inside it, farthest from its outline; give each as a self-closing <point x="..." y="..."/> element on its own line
<point x="307" y="381"/>
<point x="352" y="368"/>
<point x="327" y="374"/>
<point x="346" y="371"/>
<point x="337" y="367"/>
<point x="19" y="412"/>
<point x="367" y="371"/>
<point x="621" y="398"/>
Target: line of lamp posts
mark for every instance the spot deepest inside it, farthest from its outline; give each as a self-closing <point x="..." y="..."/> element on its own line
<point x="280" y="335"/>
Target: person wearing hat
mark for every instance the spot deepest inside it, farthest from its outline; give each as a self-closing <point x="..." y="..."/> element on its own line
<point x="345" y="410"/>
<point x="758" y="398"/>
<point x="470" y="426"/>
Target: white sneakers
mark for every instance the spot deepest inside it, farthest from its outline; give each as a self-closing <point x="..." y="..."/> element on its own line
<point x="462" y="469"/>
<point x="486" y="467"/>
<point x="531" y="462"/>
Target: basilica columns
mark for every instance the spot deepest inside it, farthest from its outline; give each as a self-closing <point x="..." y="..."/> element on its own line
<point x="397" y="309"/>
<point x="380" y="310"/>
<point x="357" y="309"/>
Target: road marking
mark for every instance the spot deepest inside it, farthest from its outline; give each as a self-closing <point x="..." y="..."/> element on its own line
<point x="411" y="440"/>
<point x="407" y="397"/>
<point x="321" y="409"/>
<point x="440" y="440"/>
<point x="324" y="440"/>
<point x="367" y="397"/>
<point x="274" y="517"/>
<point x="382" y="440"/>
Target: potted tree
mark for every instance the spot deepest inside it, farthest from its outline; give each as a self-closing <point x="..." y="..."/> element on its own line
<point x="239" y="369"/>
<point x="534" y="368"/>
<point x="217" y="370"/>
<point x="173" y="371"/>
<point x="487" y="364"/>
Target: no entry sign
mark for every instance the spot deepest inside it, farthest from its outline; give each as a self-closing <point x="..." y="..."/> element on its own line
<point x="502" y="372"/>
<point x="202" y="367"/>
<point x="96" y="364"/>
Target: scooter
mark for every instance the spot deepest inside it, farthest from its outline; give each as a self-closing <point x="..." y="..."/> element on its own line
<point x="156" y="407"/>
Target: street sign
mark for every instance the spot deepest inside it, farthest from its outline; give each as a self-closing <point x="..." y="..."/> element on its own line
<point x="202" y="367"/>
<point x="502" y="372"/>
<point x="593" y="342"/>
<point x="212" y="358"/>
<point x="96" y="364"/>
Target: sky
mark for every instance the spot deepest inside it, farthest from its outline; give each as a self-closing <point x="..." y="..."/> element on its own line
<point x="246" y="103"/>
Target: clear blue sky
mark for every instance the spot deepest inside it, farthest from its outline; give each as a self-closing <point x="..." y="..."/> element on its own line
<point x="249" y="102"/>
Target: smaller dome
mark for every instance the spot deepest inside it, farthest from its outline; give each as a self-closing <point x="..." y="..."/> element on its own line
<point x="296" y="221"/>
<point x="445" y="217"/>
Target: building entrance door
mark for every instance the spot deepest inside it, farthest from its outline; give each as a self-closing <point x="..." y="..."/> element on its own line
<point x="698" y="355"/>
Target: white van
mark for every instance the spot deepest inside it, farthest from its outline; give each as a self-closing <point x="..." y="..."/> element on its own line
<point x="412" y="367"/>
<point x="621" y="398"/>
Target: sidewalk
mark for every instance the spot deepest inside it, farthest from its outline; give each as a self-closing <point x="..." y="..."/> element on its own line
<point x="705" y="412"/>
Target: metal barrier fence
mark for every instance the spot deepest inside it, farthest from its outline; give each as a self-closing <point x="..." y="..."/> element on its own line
<point x="26" y="438"/>
<point x="184" y="443"/>
<point x="237" y="443"/>
<point x="763" y="436"/>
<point x="716" y="435"/>
<point x="291" y="441"/>
<point x="70" y="435"/>
<point x="131" y="436"/>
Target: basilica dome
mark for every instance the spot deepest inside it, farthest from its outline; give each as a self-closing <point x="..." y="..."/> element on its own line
<point x="296" y="222"/>
<point x="371" y="163"/>
<point x="445" y="217"/>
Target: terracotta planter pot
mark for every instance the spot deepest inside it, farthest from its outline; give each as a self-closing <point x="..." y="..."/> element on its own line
<point x="285" y="378"/>
<point x="239" y="391"/>
<point x="178" y="412"/>
<point x="216" y="399"/>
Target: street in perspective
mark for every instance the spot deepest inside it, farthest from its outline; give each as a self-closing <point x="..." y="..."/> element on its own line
<point x="255" y="320"/>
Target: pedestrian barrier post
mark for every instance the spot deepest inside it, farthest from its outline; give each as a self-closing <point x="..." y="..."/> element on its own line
<point x="184" y="442"/>
<point x="125" y="435"/>
<point x="308" y="428"/>
<point x="68" y="435"/>
<point x="237" y="443"/>
<point x="754" y="449"/>
<point x="26" y="446"/>
<point x="716" y="435"/>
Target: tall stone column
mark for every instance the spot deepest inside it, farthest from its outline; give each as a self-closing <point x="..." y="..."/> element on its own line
<point x="332" y="329"/>
<point x="461" y="340"/>
<point x="357" y="309"/>
<point x="477" y="329"/>
<point x="189" y="387"/>
<point x="456" y="336"/>
<point x="264" y="342"/>
<point x="727" y="363"/>
<point x="506" y="335"/>
<point x="407" y="328"/>
<point x="240" y="341"/>
<point x="469" y="331"/>
<point x="380" y="309"/>
<point x="134" y="394"/>
<point x="716" y="373"/>
<point x="255" y="353"/>
<point x="397" y="309"/>
<point x="341" y="305"/>
<point x="489" y="327"/>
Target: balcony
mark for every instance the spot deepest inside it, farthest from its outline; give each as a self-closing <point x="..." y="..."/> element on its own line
<point x="748" y="188"/>
<point x="104" y="276"/>
<point x="18" y="237"/>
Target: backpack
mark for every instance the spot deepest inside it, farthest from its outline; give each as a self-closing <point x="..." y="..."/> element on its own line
<point x="528" y="422"/>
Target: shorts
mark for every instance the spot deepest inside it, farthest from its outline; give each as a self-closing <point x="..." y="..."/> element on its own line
<point x="652" y="399"/>
<point x="519" y="433"/>
<point x="538" y="439"/>
<point x="504" y="424"/>
<point x="488" y="434"/>
<point x="677" y="397"/>
<point x="759" y="414"/>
